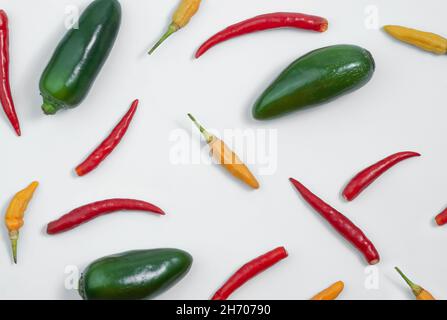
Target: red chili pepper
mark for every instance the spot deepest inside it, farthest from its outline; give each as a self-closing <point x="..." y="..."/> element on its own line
<point x="265" y="22"/>
<point x="5" y="89"/>
<point x="93" y="210"/>
<point x="362" y="180"/>
<point x="248" y="271"/>
<point x="441" y="219"/>
<point x="110" y="143"/>
<point x="340" y="223"/>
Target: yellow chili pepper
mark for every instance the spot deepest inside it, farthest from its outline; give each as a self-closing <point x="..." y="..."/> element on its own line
<point x="227" y="158"/>
<point x="425" y="40"/>
<point x="330" y="293"/>
<point x="418" y="291"/>
<point x="15" y="213"/>
<point x="186" y="10"/>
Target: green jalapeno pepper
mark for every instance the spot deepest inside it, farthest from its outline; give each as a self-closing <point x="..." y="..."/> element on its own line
<point x="318" y="77"/>
<point x="80" y="56"/>
<point x="134" y="275"/>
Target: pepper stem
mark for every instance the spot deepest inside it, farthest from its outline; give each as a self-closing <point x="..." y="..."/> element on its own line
<point x="414" y="287"/>
<point x="171" y="29"/>
<point x="14" y="236"/>
<point x="208" y="137"/>
<point x="48" y="108"/>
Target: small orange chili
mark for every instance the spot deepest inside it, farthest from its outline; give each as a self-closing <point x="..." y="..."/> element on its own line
<point x="330" y="293"/>
<point x="227" y="158"/>
<point x="15" y="213"/>
<point x="419" y="292"/>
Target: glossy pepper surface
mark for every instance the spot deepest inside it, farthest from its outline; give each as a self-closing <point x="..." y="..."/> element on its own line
<point x="367" y="176"/>
<point x="5" y="88"/>
<point x="265" y="22"/>
<point x="424" y="40"/>
<point x="15" y="214"/>
<point x="132" y="275"/>
<point x="93" y="210"/>
<point x="250" y="270"/>
<point x="108" y="145"/>
<point x="316" y="78"/>
<point x="340" y="223"/>
<point x="79" y="57"/>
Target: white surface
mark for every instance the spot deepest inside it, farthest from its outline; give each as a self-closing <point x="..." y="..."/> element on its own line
<point x="220" y="222"/>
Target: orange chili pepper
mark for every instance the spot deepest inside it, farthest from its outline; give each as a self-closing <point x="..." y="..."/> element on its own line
<point x="227" y="158"/>
<point x="15" y="213"/>
<point x="186" y="10"/>
<point x="418" y="291"/>
<point x="330" y="293"/>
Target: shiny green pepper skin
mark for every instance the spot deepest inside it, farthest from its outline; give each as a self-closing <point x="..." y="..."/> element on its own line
<point x="79" y="57"/>
<point x="318" y="77"/>
<point x="141" y="274"/>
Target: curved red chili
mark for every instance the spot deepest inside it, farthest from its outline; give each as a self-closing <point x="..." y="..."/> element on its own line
<point x="248" y="271"/>
<point x="363" y="179"/>
<point x="109" y="144"/>
<point x="441" y="219"/>
<point x="93" y="210"/>
<point x="264" y="22"/>
<point x="340" y="223"/>
<point x="5" y="89"/>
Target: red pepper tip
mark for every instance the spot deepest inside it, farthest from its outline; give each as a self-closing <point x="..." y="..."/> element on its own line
<point x="324" y="26"/>
<point x="440" y="221"/>
<point x="79" y="171"/>
<point x="413" y="154"/>
<point x="374" y="261"/>
<point x="49" y="229"/>
<point x="217" y="297"/>
<point x="296" y="183"/>
<point x="198" y="54"/>
<point x="283" y="251"/>
<point x="347" y="197"/>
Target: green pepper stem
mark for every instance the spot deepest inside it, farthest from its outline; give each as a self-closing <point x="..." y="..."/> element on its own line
<point x="171" y="29"/>
<point x="414" y="287"/>
<point x="208" y="137"/>
<point x="49" y="108"/>
<point x="14" y="236"/>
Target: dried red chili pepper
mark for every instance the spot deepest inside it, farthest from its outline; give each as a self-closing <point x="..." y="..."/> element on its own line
<point x="340" y="223"/>
<point x="264" y="22"/>
<point x="441" y="219"/>
<point x="93" y="210"/>
<point x="5" y="89"/>
<point x="363" y="179"/>
<point x="110" y="143"/>
<point x="248" y="271"/>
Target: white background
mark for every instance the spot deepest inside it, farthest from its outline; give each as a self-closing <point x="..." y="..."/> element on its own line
<point x="219" y="221"/>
